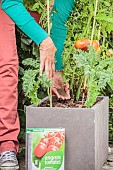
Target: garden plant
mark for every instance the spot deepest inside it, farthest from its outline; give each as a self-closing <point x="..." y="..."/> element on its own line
<point x="89" y="72"/>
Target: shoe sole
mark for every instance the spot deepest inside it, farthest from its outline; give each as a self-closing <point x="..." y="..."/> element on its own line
<point x="9" y="168"/>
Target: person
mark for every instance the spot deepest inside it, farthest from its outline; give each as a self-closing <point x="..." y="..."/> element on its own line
<point x="13" y="11"/>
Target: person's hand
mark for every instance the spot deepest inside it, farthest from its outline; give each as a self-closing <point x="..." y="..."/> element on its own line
<point x="60" y="89"/>
<point x="47" y="52"/>
<point x="52" y="4"/>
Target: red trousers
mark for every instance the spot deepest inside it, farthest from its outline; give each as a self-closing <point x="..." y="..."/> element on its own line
<point x="9" y="121"/>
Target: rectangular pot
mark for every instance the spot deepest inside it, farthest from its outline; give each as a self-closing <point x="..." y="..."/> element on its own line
<point x="86" y="132"/>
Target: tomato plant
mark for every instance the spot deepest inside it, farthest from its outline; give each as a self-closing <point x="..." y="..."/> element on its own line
<point x="83" y="16"/>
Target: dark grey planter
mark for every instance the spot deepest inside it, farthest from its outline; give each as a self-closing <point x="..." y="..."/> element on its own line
<point x="86" y="132"/>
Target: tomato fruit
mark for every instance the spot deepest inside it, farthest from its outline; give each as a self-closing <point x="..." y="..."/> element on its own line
<point x="60" y="135"/>
<point x="56" y="141"/>
<point x="82" y="44"/>
<point x="57" y="134"/>
<point x="40" y="149"/>
<point x="58" y="144"/>
<point x="52" y="148"/>
<point x="50" y="135"/>
<point x="44" y="140"/>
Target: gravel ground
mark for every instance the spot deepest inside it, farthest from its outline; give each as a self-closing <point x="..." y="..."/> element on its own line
<point x="109" y="163"/>
<point x="21" y="157"/>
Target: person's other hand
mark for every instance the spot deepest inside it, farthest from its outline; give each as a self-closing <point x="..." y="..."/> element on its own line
<point x="47" y="52"/>
<point x="60" y="89"/>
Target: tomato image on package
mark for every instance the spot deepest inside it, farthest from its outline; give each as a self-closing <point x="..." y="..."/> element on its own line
<point x="47" y="148"/>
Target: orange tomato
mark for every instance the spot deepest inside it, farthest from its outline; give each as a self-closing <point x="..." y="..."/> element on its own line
<point x="82" y="44"/>
<point x="95" y="45"/>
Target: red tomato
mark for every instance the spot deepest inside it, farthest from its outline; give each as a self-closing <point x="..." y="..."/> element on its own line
<point x="57" y="134"/>
<point x="44" y="140"/>
<point x="60" y="135"/>
<point x="56" y="141"/>
<point x="40" y="149"/>
<point x="52" y="148"/>
<point x="50" y="135"/>
<point x="58" y="144"/>
<point x="82" y="44"/>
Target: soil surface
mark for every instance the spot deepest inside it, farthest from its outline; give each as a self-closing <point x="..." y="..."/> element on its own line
<point x="65" y="103"/>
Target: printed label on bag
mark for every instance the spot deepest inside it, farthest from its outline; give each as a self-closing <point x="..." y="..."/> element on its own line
<point x="46" y="148"/>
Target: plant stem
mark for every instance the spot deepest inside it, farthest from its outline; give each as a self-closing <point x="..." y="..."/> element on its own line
<point x="103" y="42"/>
<point x="79" y="89"/>
<point x="87" y="27"/>
<point x="72" y="80"/>
<point x="83" y="95"/>
<point x="50" y="95"/>
<point x="99" y="31"/>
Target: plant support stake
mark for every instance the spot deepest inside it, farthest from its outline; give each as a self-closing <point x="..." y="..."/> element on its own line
<point x="48" y="23"/>
<point x="93" y="30"/>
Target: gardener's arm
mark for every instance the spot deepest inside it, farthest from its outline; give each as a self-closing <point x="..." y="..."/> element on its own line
<point x="62" y="10"/>
<point x="18" y="13"/>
